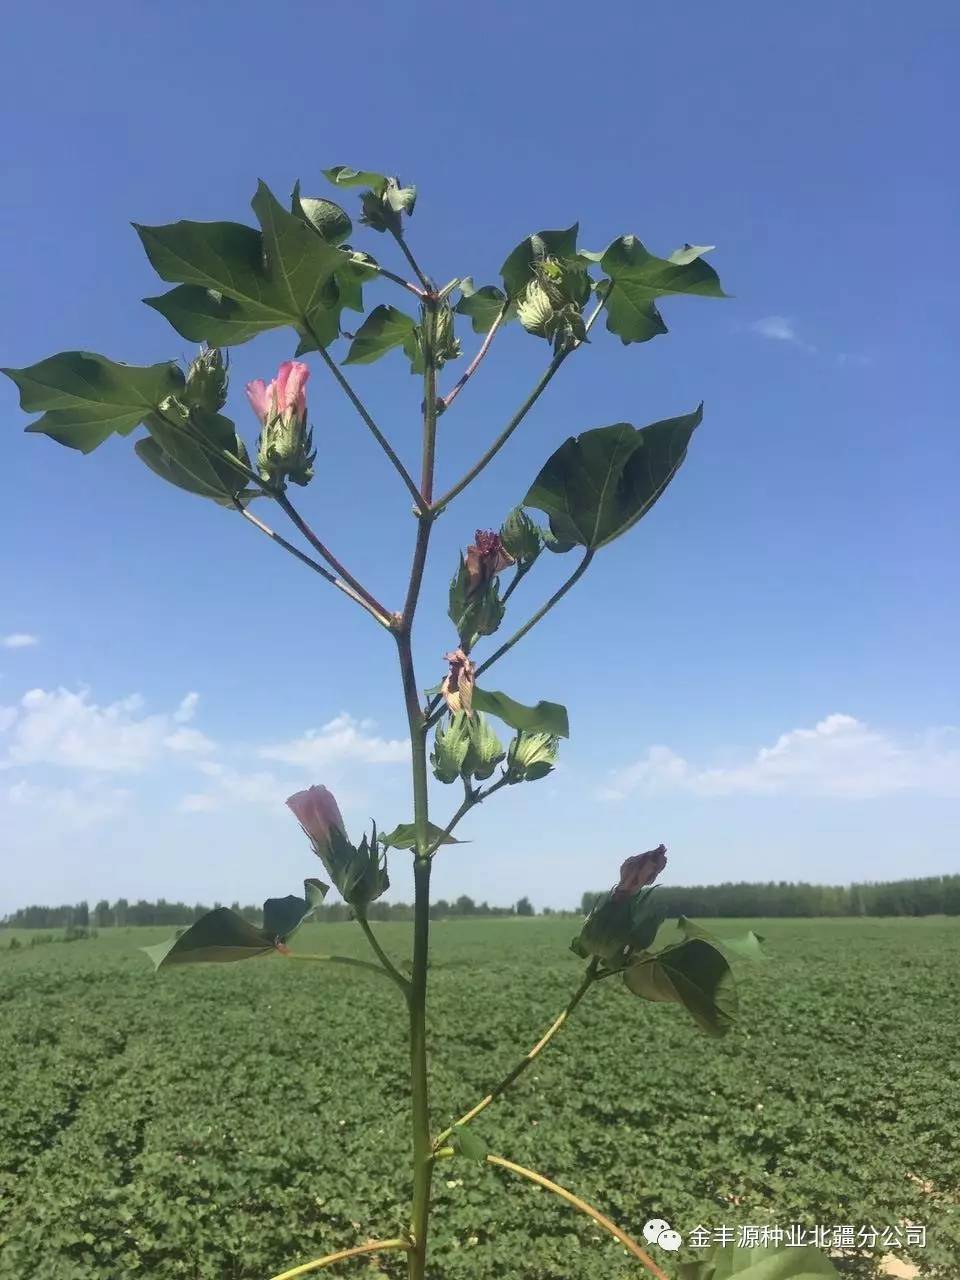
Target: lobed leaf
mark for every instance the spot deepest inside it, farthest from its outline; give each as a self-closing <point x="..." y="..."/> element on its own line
<point x="219" y="936"/>
<point x="384" y="328"/>
<point x="88" y="397"/>
<point x="518" y="268"/>
<point x="638" y="277"/>
<point x="481" y="305"/>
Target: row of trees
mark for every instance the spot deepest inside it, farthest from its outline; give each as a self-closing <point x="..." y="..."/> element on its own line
<point x="123" y="913"/>
<point x="932" y="895"/>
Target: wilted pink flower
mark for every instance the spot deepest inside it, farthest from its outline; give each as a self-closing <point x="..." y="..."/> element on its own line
<point x="317" y="812"/>
<point x="640" y="870"/>
<point x="284" y="398"/>
<point x="484" y="560"/>
<point x="457" y="687"/>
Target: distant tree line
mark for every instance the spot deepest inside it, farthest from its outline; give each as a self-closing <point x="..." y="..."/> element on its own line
<point x="932" y="895"/>
<point x="123" y="913"/>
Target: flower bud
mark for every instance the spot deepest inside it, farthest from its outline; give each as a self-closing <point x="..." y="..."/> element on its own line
<point x="531" y="756"/>
<point x="446" y="344"/>
<point x="284" y="450"/>
<point x="640" y="870"/>
<point x="359" y="873"/>
<point x="381" y="208"/>
<point x="485" y="751"/>
<point x="625" y="920"/>
<point x="484" y="560"/>
<point x="450" y="747"/>
<point x="521" y="538"/>
<point x="457" y="687"/>
<point x="552" y="301"/>
<point x="206" y="385"/>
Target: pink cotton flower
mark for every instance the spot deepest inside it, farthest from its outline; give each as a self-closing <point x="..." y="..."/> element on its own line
<point x="317" y="812"/>
<point x="285" y="397"/>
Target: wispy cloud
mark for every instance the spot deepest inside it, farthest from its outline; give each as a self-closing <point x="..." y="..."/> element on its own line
<point x="341" y="739"/>
<point x="85" y="805"/>
<point x="67" y="729"/>
<point x="19" y="640"/>
<point x="840" y="756"/>
<point x="779" y="328"/>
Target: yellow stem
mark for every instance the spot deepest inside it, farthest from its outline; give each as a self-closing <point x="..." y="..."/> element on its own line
<point x="372" y="1246"/>
<point x="599" y="1218"/>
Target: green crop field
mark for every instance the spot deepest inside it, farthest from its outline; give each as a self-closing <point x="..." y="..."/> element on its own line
<point x="225" y="1122"/>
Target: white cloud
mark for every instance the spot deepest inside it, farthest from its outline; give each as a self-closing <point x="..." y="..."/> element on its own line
<point x="779" y="328"/>
<point x="341" y="739"/>
<point x="840" y="757"/>
<point x="230" y="786"/>
<point x="66" y="729"/>
<point x="19" y="640"/>
<point x="85" y="805"/>
<point x="187" y="708"/>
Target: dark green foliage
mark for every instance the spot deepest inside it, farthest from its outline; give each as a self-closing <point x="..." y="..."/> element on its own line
<point x="146" y="1123"/>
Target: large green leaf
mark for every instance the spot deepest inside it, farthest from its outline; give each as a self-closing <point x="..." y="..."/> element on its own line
<point x="283" y="916"/>
<point x="172" y="429"/>
<point x="482" y="305"/>
<point x="598" y="484"/>
<point x="404" y="836"/>
<point x="150" y="452"/>
<point x="241" y="282"/>
<point x="518" y="269"/>
<point x="342" y="175"/>
<point x="766" y="1262"/>
<point x="693" y="973"/>
<point x="88" y="398"/>
<point x="746" y="946"/>
<point x="545" y="717"/>
<point x="218" y="936"/>
<point x="638" y="278"/>
<point x="384" y="328"/>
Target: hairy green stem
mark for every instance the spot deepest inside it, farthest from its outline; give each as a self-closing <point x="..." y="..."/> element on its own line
<point x="471" y="799"/>
<point x="417" y="992"/>
<point x="389" y="967"/>
<point x="313" y="564"/>
<point x="382" y="613"/>
<point x="405" y="250"/>
<point x="582" y="1206"/>
<point x="517" y="418"/>
<point x="588" y="980"/>
<point x="328" y="1260"/>
<point x="474" y="364"/>
<point x="333" y="959"/>
<point x="374" y="430"/>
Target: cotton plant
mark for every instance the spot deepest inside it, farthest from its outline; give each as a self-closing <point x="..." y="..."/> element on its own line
<point x="296" y="270"/>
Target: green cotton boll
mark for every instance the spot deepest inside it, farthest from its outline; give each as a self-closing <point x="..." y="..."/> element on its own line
<point x="206" y="385"/>
<point x="485" y="749"/>
<point x="535" y="310"/>
<point x="531" y="756"/>
<point x="521" y="537"/>
<point x="450" y="747"/>
<point x="285" y="451"/>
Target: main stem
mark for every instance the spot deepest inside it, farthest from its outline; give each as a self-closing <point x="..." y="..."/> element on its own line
<point x="417" y="993"/>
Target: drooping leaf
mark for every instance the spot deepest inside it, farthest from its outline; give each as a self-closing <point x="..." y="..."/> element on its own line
<point x="598" y="484"/>
<point x="384" y="328"/>
<point x="746" y="946"/>
<point x="639" y="277"/>
<point x="519" y="268"/>
<point x="693" y="973"/>
<point x="150" y="452"/>
<point x="218" y="936"/>
<point x="764" y="1262"/>
<point x="283" y="916"/>
<point x="466" y="1142"/>
<point x="342" y="175"/>
<point x="88" y="397"/>
<point x="404" y="836"/>
<point x="482" y="305"/>
<point x="545" y="717"/>
<point x="171" y="429"/>
<point x="329" y="221"/>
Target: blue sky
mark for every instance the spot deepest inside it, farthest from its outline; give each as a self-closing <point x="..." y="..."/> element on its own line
<point x="763" y="674"/>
